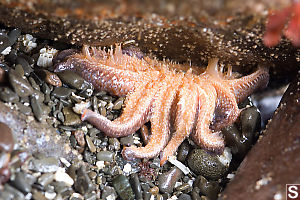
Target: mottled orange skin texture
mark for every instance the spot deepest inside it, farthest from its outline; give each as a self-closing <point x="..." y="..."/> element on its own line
<point x="178" y="100"/>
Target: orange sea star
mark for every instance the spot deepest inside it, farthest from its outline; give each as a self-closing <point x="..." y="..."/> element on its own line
<point x="178" y="100"/>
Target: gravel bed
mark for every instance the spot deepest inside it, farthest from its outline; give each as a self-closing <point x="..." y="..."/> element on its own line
<point x="29" y="85"/>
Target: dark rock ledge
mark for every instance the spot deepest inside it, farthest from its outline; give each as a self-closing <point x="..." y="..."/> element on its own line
<point x="274" y="161"/>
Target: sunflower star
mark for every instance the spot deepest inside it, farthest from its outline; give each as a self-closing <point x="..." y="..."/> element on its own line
<point x="178" y="102"/>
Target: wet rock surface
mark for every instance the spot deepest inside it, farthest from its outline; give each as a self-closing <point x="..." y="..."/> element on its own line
<point x="263" y="174"/>
<point x="35" y="136"/>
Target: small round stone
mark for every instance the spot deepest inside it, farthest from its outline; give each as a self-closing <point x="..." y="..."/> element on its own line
<point x="62" y="92"/>
<point x="167" y="180"/>
<point x="21" y="86"/>
<point x="105" y="156"/>
<point x="49" y="77"/>
<point x="72" y="79"/>
<point x="208" y="165"/>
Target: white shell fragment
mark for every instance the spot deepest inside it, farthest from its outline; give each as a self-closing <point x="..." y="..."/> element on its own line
<point x="46" y="57"/>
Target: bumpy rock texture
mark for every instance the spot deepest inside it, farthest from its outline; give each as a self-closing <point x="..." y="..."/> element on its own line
<point x="274" y="160"/>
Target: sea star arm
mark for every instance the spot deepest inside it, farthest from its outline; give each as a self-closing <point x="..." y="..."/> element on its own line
<point x="187" y="108"/>
<point x="203" y="136"/>
<point x="160" y="122"/>
<point x="246" y="85"/>
<point x="135" y="114"/>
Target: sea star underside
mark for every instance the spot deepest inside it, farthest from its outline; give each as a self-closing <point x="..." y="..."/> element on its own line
<point x="178" y="100"/>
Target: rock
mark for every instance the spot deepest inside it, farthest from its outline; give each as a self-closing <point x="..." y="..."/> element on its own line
<point x="20" y="85"/>
<point x="90" y="144"/>
<point x="49" y="77"/>
<point x="262" y="173"/>
<point x="123" y="188"/>
<point x="210" y="189"/>
<point x="83" y="183"/>
<point x="72" y="79"/>
<point x="105" y="156"/>
<point x="44" y="164"/>
<point x="167" y="180"/>
<point x="62" y="92"/>
<point x="7" y="95"/>
<point x="4" y="41"/>
<point x="136" y="186"/>
<point x="208" y="165"/>
<point x="71" y="118"/>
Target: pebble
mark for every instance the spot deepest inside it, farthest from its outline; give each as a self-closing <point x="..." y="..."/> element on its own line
<point x="183" y="151"/>
<point x="127" y="141"/>
<point x="4" y="41"/>
<point x="62" y="188"/>
<point x="251" y="120"/>
<point x="184" y="197"/>
<point x="49" y="77"/>
<point x="7" y="95"/>
<point x="185" y="187"/>
<point x="21" y="86"/>
<point x="90" y="144"/>
<point x="71" y="118"/>
<point x="167" y="180"/>
<point x="118" y="103"/>
<point x="37" y="195"/>
<point x="37" y="108"/>
<point x="72" y="79"/>
<point x="33" y="83"/>
<point x="44" y="165"/>
<point x="7" y="141"/>
<point x="62" y="176"/>
<point x="13" y="35"/>
<point x="123" y="188"/>
<point x="45" y="179"/>
<point x="19" y="70"/>
<point x="92" y="175"/>
<point x="16" y="193"/>
<point x="23" y="182"/>
<point x="105" y="156"/>
<point x="136" y="186"/>
<point x="45" y="88"/>
<point x="79" y="136"/>
<point x="208" y="165"/>
<point x="115" y="143"/>
<point x="83" y="183"/>
<point x="210" y="189"/>
<point x="2" y="75"/>
<point x="27" y="69"/>
<point x="62" y="92"/>
<point x="39" y="96"/>
<point x="108" y="193"/>
<point x="24" y="109"/>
